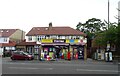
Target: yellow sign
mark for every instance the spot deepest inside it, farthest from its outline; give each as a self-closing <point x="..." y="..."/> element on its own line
<point x="67" y="41"/>
<point x="76" y="41"/>
<point x="47" y="40"/>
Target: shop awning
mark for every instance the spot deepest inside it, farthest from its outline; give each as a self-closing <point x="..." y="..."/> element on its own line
<point x="77" y="43"/>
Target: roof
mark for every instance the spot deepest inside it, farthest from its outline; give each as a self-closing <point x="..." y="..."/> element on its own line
<point x="25" y="43"/>
<point x="53" y="31"/>
<point x="10" y="44"/>
<point x="7" y="32"/>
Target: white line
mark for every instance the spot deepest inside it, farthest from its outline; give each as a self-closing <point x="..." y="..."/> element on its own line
<point x="21" y="68"/>
<point x="30" y="68"/>
<point x="96" y="70"/>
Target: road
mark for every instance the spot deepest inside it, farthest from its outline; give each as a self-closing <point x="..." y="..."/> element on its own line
<point x="58" y="67"/>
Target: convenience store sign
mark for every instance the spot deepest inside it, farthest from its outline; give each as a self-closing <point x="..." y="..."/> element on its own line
<point x="60" y="41"/>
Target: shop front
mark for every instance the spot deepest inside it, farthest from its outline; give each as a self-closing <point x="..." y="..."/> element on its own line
<point x="61" y="49"/>
<point x="77" y="51"/>
<point x="54" y="51"/>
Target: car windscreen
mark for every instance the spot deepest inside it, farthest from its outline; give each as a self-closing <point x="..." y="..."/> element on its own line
<point x="25" y="53"/>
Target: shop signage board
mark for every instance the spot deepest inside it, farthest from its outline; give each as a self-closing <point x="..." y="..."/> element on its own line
<point x="81" y="52"/>
<point x="47" y="40"/>
<point x="59" y="41"/>
<point x="63" y="41"/>
<point x="72" y="41"/>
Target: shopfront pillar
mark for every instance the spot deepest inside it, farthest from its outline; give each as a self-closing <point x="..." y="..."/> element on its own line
<point x="39" y="52"/>
<point x="71" y="52"/>
<point x="85" y="52"/>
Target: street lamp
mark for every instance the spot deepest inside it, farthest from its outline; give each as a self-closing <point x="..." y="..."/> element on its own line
<point x="108" y="53"/>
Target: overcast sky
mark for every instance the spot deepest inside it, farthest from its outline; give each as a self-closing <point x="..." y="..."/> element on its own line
<point x="25" y="14"/>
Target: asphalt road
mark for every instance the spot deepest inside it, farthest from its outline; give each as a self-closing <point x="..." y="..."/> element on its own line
<point x="58" y="67"/>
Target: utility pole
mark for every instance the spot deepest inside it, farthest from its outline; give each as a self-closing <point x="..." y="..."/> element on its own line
<point x="108" y="13"/>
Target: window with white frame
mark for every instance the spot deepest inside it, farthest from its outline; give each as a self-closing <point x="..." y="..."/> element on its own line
<point x="47" y="37"/>
<point x="54" y="37"/>
<point x="30" y="38"/>
<point x="40" y="37"/>
<point x="63" y="37"/>
<point x="58" y="36"/>
<point x="70" y="37"/>
<point x="81" y="37"/>
<point x="73" y="37"/>
<point x="66" y="37"/>
<point x="5" y="40"/>
<point x="77" y="37"/>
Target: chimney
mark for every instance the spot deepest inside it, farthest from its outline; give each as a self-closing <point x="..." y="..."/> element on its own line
<point x="50" y="25"/>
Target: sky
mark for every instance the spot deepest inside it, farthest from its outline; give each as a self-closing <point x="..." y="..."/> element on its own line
<point x="25" y="14"/>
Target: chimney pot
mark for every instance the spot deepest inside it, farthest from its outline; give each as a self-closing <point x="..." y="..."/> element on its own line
<point x="50" y="25"/>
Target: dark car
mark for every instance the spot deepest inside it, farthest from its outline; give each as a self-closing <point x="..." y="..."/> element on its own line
<point x="20" y="55"/>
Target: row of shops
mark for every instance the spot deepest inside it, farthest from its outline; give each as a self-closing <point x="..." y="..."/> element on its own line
<point x="54" y="49"/>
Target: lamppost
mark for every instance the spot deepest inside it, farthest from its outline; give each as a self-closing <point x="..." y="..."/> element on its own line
<point x="108" y="53"/>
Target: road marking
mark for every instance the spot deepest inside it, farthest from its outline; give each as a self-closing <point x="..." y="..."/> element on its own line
<point x="30" y="68"/>
<point x="21" y="68"/>
<point x="96" y="70"/>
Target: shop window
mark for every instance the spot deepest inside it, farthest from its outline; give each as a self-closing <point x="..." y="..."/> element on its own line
<point x="50" y="49"/>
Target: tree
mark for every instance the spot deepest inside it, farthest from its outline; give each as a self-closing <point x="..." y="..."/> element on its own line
<point x="112" y="35"/>
<point x="91" y="27"/>
<point x="108" y="35"/>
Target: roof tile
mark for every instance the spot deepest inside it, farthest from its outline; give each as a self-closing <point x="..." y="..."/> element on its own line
<point x="7" y="32"/>
<point x="54" y="31"/>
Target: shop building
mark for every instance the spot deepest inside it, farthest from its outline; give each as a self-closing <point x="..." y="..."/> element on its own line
<point x="9" y="38"/>
<point x="58" y="42"/>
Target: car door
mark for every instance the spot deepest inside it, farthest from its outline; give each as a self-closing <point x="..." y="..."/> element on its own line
<point x="16" y="55"/>
<point x="21" y="55"/>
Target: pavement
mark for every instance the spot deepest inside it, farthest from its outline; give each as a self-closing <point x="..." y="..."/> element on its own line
<point x="88" y="61"/>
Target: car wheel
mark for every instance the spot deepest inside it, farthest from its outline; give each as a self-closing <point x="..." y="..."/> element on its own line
<point x="30" y="59"/>
<point x="26" y="58"/>
<point x="13" y="58"/>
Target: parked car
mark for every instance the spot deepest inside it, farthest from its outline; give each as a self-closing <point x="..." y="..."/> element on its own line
<point x="21" y="55"/>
